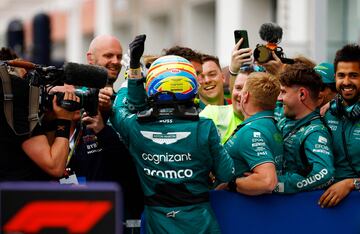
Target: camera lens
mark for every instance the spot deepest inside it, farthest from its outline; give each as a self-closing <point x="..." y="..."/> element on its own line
<point x="262" y="54"/>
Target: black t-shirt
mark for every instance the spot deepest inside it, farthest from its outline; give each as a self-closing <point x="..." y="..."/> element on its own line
<point x="104" y="157"/>
<point x="15" y="165"/>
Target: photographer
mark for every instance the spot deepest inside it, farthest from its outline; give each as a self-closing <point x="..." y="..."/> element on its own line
<point x="106" y="51"/>
<point x="33" y="156"/>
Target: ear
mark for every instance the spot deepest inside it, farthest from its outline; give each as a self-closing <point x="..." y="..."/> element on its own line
<point x="223" y="77"/>
<point x="246" y="96"/>
<point x="89" y="58"/>
<point x="303" y="93"/>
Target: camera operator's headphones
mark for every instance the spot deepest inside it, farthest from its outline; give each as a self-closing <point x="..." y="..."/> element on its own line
<point x="338" y="108"/>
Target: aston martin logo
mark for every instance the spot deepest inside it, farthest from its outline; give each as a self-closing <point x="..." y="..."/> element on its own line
<point x="165" y="138"/>
<point x="172" y="214"/>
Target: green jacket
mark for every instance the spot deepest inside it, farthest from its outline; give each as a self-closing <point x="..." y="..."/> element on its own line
<point x="345" y="132"/>
<point x="279" y="111"/>
<point x="173" y="158"/>
<point x="308" y="155"/>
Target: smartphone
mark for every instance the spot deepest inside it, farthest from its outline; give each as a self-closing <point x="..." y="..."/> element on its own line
<point x="238" y="34"/>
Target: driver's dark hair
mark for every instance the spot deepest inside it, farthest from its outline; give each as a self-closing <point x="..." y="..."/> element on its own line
<point x="184" y="52"/>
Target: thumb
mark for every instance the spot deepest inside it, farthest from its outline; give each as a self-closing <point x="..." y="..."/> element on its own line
<point x="238" y="44"/>
<point x="275" y="56"/>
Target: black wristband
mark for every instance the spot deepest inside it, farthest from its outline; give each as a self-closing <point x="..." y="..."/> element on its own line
<point x="134" y="64"/>
<point x="62" y="128"/>
<point x="232" y="185"/>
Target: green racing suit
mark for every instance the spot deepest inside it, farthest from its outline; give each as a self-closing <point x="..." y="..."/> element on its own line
<point x="173" y="158"/>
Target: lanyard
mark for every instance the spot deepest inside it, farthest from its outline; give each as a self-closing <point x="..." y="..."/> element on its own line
<point x="79" y="134"/>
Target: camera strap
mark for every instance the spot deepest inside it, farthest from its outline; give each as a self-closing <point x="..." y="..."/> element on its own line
<point x="34" y="92"/>
<point x="33" y="117"/>
<point x="8" y="97"/>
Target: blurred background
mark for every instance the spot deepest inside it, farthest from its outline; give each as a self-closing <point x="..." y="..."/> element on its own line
<point x="61" y="30"/>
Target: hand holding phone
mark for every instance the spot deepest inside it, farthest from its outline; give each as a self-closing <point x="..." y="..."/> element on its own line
<point x="241" y="54"/>
<point x="238" y="34"/>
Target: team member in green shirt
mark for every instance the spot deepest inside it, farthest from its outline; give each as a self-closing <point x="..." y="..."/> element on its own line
<point x="343" y="119"/>
<point x="256" y="146"/>
<point x="174" y="150"/>
<point x="308" y="155"/>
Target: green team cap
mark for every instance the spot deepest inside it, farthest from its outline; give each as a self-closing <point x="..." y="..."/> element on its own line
<point x="326" y="71"/>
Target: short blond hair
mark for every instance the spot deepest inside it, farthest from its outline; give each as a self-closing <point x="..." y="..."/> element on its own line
<point x="264" y="88"/>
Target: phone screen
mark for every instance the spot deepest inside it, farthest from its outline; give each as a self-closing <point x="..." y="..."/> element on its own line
<point x="238" y="34"/>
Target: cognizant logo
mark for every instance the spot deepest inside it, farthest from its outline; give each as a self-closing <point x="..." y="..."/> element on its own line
<point x="157" y="158"/>
<point x="173" y="174"/>
<point x="312" y="179"/>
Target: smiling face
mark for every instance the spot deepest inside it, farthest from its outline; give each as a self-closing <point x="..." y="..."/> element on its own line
<point x="291" y="102"/>
<point x="348" y="81"/>
<point x="198" y="68"/>
<point x="236" y="93"/>
<point x="211" y="84"/>
<point x="106" y="51"/>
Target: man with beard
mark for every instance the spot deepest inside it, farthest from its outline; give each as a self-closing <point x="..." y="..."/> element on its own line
<point x="308" y="156"/>
<point x="106" y="51"/>
<point x="343" y="119"/>
<point x="114" y="162"/>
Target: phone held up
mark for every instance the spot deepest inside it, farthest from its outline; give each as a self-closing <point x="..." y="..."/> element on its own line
<point x="238" y="34"/>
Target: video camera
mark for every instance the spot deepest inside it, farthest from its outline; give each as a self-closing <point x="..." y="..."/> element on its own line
<point x="272" y="34"/>
<point x="45" y="78"/>
<point x="88" y="100"/>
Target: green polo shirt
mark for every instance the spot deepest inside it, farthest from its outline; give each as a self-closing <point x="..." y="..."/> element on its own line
<point x="257" y="141"/>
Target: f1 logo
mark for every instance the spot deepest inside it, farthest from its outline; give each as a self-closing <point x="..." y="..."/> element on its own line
<point x="75" y="216"/>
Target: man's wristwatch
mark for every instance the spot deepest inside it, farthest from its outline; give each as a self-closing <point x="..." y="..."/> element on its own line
<point x="356" y="183"/>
